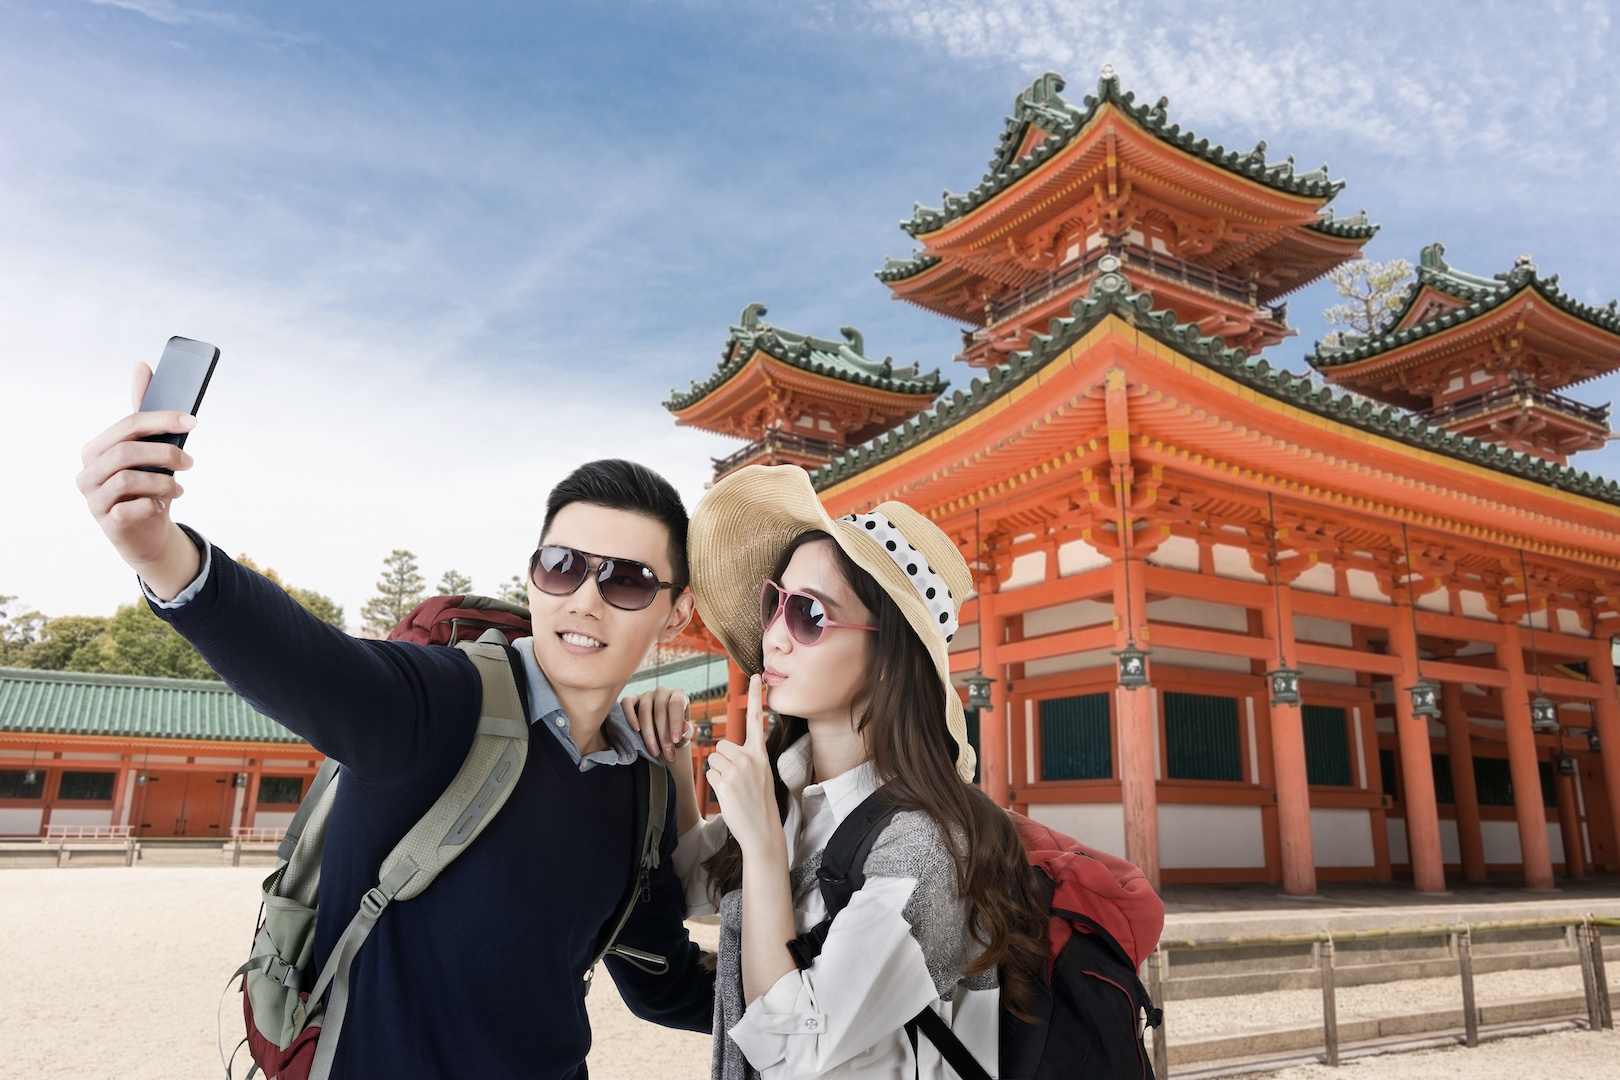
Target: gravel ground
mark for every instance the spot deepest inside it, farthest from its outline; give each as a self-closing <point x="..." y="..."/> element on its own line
<point x="1563" y="1055"/>
<point x="1202" y="1018"/>
<point x="113" y="972"/>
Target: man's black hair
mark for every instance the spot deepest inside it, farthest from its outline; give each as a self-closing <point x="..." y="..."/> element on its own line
<point x="616" y="484"/>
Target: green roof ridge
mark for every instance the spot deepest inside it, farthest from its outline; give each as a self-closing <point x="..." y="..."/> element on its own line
<point x="1042" y="104"/>
<point x="1110" y="294"/>
<point x="1479" y="295"/>
<point x="843" y="360"/>
<point x="95" y="704"/>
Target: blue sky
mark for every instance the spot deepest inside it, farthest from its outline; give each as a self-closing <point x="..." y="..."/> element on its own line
<point x="449" y="251"/>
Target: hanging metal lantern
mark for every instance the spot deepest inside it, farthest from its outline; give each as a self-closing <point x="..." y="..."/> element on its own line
<point x="1564" y="764"/>
<point x="978" y="685"/>
<point x="1425" y="699"/>
<point x="1543" y="716"/>
<point x="1284" y="686"/>
<point x="29" y="777"/>
<point x="1132" y="666"/>
<point x="705" y="732"/>
<point x="1592" y="744"/>
<point x="140" y="779"/>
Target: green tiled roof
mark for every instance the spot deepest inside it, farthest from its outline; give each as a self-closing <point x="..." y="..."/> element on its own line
<point x="1479" y="295"/>
<point x="700" y="676"/>
<point x="1110" y="295"/>
<point x="74" y="703"/>
<point x="1042" y="106"/>
<point x="843" y="360"/>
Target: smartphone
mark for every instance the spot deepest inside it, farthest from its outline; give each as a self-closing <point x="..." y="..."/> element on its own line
<point x="179" y="383"/>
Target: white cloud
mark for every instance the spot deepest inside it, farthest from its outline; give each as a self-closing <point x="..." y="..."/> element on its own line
<point x="1434" y="78"/>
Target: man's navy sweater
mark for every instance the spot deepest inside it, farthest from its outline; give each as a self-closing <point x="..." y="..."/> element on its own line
<point x="482" y="975"/>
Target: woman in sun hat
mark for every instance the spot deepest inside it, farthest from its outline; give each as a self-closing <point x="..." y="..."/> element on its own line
<point x="846" y="623"/>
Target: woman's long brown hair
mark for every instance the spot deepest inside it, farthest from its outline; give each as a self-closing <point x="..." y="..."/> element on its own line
<point x="903" y="722"/>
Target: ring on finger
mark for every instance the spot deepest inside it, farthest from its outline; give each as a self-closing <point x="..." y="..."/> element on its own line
<point x="686" y="736"/>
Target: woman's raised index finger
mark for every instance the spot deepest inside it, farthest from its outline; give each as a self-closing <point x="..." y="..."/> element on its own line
<point x="756" y="712"/>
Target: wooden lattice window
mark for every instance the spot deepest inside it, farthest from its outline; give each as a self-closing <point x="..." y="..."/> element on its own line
<point x="280" y="790"/>
<point x="1074" y="738"/>
<point x="1201" y="737"/>
<point x="87" y="786"/>
<point x="1327" y="745"/>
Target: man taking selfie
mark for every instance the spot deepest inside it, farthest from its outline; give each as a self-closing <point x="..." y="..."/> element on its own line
<point x="483" y="974"/>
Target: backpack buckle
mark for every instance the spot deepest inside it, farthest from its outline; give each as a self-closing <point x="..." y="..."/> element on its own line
<point x="373" y="903"/>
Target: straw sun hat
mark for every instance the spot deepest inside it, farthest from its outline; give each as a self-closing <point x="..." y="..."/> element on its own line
<point x="744" y="523"/>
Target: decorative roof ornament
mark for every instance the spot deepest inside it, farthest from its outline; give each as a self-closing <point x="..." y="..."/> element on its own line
<point x="844" y="360"/>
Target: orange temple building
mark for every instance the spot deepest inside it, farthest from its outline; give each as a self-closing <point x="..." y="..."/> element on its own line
<point x="1233" y="622"/>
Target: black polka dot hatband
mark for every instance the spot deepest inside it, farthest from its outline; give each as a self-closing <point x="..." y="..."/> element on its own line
<point x="746" y="520"/>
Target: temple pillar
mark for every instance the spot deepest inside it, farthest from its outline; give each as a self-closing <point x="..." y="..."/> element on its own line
<point x="251" y="800"/>
<point x="1417" y="771"/>
<point x="1606" y="716"/>
<point x="1288" y="764"/>
<point x="1569" y="826"/>
<point x="1460" y="749"/>
<point x="994" y="777"/>
<point x="1134" y="713"/>
<point x="1522" y="765"/>
<point x="736" y="701"/>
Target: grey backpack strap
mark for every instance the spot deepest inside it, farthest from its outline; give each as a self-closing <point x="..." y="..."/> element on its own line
<point x="295" y="828"/>
<point x="652" y="804"/>
<point x="500" y="746"/>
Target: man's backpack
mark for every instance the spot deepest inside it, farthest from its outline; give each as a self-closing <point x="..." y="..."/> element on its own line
<point x="1105" y="919"/>
<point x="291" y="1033"/>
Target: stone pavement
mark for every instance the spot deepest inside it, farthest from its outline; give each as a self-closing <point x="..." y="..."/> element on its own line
<point x="1205" y="911"/>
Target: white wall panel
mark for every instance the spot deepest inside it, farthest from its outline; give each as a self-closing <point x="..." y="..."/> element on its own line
<point x="1342" y="836"/>
<point x="1198" y="837"/>
<point x="19" y="821"/>
<point x="1098" y="825"/>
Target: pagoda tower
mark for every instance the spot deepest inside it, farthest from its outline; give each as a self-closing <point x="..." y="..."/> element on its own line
<point x="1486" y="357"/>
<point x="1219" y="236"/>
<point x="798" y="399"/>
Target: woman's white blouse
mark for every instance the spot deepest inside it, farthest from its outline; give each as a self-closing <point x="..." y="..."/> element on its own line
<point x="844" y="1016"/>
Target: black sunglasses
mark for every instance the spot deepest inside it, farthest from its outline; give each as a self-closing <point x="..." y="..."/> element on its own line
<point x="624" y="583"/>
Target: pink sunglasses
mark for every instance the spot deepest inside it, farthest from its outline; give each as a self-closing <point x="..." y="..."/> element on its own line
<point x="806" y="617"/>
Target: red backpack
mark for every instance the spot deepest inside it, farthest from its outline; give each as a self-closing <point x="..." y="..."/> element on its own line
<point x="445" y="620"/>
<point x="1105" y="920"/>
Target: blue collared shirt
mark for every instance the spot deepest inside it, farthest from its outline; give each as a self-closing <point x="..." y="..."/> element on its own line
<point x="624" y="742"/>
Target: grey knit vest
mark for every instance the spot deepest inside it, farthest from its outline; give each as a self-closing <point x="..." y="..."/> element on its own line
<point x="910" y="847"/>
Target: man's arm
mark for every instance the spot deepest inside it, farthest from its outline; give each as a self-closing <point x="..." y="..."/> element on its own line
<point x="684" y="996"/>
<point x="380" y="708"/>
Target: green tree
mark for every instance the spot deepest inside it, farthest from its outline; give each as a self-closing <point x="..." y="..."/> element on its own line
<point x="137" y="642"/>
<point x="398" y="590"/>
<point x="317" y="604"/>
<point x="62" y="640"/>
<point x="514" y="592"/>
<point x="455" y="583"/>
<point x="18" y="630"/>
<point x="1374" y="291"/>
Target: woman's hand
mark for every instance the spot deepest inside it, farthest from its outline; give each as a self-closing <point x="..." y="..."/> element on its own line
<point x="740" y="776"/>
<point x="663" y="716"/>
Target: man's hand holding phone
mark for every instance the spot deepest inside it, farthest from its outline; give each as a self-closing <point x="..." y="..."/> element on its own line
<point x="132" y="504"/>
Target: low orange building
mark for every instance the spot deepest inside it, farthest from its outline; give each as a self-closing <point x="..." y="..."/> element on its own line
<point x="1232" y="622"/>
<point x="162" y="757"/>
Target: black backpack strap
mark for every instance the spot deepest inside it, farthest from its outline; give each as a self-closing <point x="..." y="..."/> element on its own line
<point x="945" y="1041"/>
<point x="651" y="806"/>
<point x="843" y="869"/>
